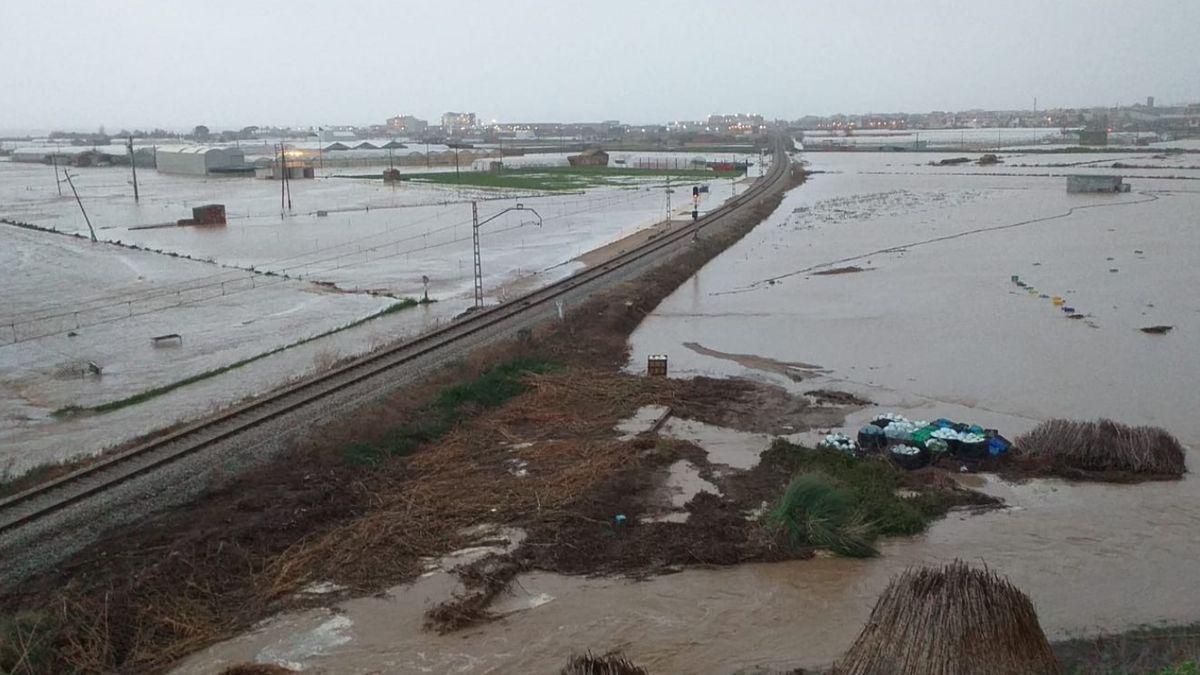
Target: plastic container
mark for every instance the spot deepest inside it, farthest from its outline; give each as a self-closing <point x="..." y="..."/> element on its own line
<point x="972" y="446"/>
<point x="921" y="436"/>
<point x="998" y="445"/>
<point x="937" y="447"/>
<point x="871" y="438"/>
<point x="909" y="457"/>
<point x="838" y="442"/>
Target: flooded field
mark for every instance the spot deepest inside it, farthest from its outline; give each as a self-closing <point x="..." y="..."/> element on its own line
<point x="922" y="317"/>
<point x="347" y="250"/>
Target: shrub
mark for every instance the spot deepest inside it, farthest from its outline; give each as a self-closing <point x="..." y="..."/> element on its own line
<point x="816" y="511"/>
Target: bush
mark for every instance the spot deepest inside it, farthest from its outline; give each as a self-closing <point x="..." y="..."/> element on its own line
<point x="816" y="511"/>
<point x="874" y="482"/>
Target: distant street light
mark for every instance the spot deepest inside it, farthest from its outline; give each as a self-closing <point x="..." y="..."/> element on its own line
<point x="475" y="225"/>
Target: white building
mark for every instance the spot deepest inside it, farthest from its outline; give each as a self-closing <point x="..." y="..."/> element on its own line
<point x="453" y="122"/>
<point x="196" y="160"/>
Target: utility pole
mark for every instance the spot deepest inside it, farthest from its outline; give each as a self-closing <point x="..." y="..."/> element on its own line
<point x="80" y="202"/>
<point x="282" y="171"/>
<point x="57" y="180"/>
<point x="668" y="198"/>
<point x="475" y="243"/>
<point x="320" y="150"/>
<point x="287" y="179"/>
<point x="475" y="225"/>
<point x="133" y="167"/>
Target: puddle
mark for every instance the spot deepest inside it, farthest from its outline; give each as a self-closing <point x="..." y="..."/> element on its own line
<point x="682" y="484"/>
<point x="731" y="447"/>
<point x="643" y="421"/>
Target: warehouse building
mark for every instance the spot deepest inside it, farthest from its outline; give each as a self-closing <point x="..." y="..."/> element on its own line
<point x="198" y="160"/>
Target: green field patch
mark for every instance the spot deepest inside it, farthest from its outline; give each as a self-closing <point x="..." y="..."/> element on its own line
<point x="560" y="178"/>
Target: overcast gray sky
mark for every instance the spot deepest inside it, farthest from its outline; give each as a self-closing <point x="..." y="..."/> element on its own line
<point x="82" y="63"/>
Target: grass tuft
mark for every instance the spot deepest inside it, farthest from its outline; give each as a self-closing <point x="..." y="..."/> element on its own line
<point x="816" y="511"/>
<point x="493" y="388"/>
<point x="27" y="642"/>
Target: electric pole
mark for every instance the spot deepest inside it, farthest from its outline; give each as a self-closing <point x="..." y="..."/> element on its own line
<point x="475" y="225"/>
<point x="475" y="243"/>
<point x="80" y="202"/>
<point x="320" y="150"/>
<point x="133" y="167"/>
<point x="57" y="180"/>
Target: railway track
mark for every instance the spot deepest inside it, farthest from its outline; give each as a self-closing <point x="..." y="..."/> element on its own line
<point x="27" y="508"/>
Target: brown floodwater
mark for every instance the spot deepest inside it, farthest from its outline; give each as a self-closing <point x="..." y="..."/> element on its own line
<point x="1094" y="558"/>
<point x="932" y="330"/>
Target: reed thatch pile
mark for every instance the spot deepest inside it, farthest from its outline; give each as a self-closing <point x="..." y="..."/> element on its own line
<point x="612" y="663"/>
<point x="1066" y="446"/>
<point x="952" y="620"/>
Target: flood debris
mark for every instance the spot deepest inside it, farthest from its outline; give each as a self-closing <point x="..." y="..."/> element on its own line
<point x="836" y="397"/>
<point x="256" y="669"/>
<point x="951" y="161"/>
<point x="850" y="269"/>
<point x="612" y="663"/>
<point x="1101" y="450"/>
<point x="1157" y="330"/>
<point x="952" y="619"/>
<point x="483" y="580"/>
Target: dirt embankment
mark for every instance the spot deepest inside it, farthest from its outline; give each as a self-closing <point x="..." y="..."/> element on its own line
<point x="364" y="502"/>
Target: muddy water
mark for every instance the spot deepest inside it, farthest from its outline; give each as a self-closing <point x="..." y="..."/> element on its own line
<point x="921" y="332"/>
<point x="1092" y="557"/>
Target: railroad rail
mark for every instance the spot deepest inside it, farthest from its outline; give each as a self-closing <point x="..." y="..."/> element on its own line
<point x="24" y="508"/>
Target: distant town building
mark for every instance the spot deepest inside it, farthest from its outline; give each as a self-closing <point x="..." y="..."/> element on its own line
<point x="407" y="125"/>
<point x="197" y="160"/>
<point x="455" y="122"/>
<point x="739" y="123"/>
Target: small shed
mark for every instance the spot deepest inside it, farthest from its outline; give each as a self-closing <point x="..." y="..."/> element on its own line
<point x="589" y="157"/>
<point x="209" y="214"/>
<point x="1090" y="183"/>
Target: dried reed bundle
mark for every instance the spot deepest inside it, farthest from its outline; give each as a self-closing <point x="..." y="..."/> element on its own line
<point x="1104" y="446"/>
<point x="952" y="620"/>
<point x="612" y="663"/>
